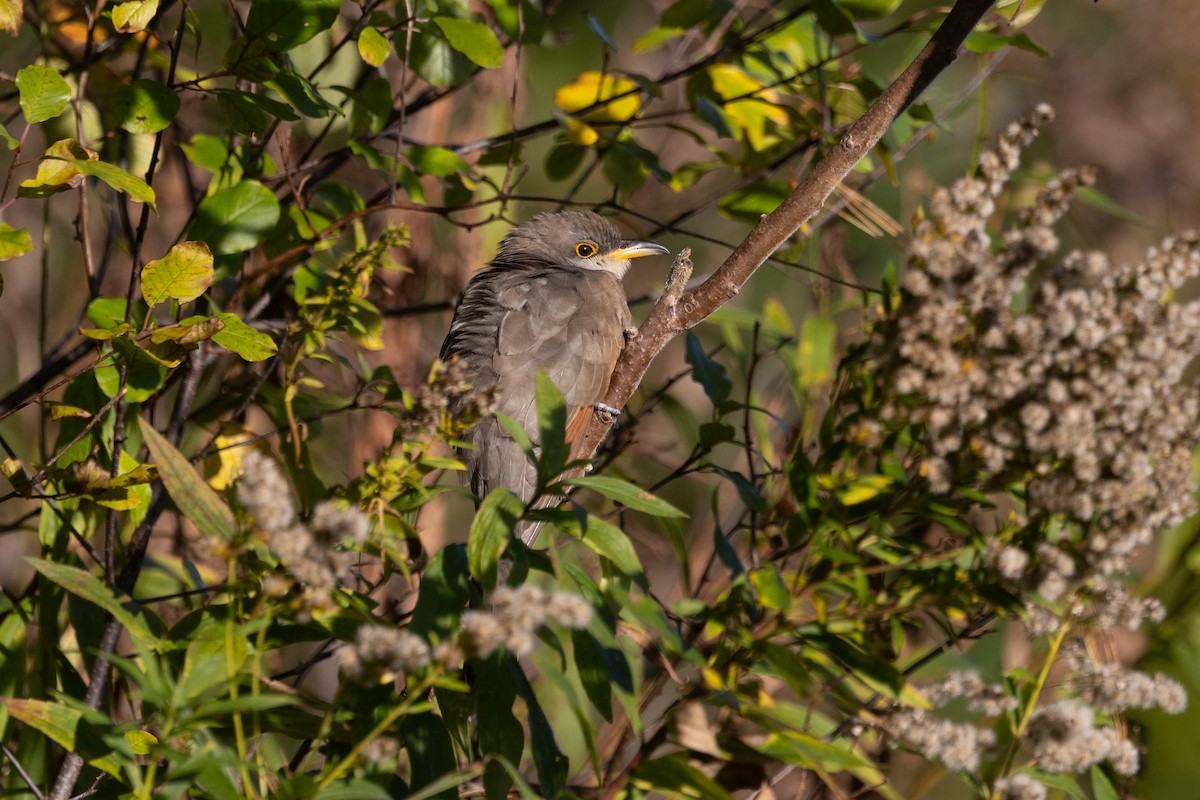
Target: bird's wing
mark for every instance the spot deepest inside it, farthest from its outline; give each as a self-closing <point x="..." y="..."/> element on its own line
<point x="571" y="324"/>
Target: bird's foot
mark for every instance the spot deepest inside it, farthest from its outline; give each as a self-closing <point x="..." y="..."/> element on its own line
<point x="631" y="332"/>
<point x="607" y="410"/>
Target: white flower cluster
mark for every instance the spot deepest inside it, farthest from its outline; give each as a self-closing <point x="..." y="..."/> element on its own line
<point x="381" y="651"/>
<point x="513" y="620"/>
<point x="1067" y="369"/>
<point x="1068" y="374"/>
<point x="957" y="745"/>
<point x="308" y="552"/>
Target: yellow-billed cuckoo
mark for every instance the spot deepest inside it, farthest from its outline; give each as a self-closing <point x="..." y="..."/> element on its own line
<point x="551" y="299"/>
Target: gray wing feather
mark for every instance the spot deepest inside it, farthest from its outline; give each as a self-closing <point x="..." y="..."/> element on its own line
<point x="569" y="322"/>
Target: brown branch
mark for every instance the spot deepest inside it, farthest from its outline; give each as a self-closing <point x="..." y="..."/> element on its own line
<point x="675" y="311"/>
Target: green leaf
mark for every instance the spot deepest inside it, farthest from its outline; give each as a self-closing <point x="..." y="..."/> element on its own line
<point x="13" y="242"/>
<point x="66" y="727"/>
<point x="490" y="533"/>
<point x="142" y="626"/>
<point x="449" y="781"/>
<point x="43" y="94"/>
<point x="285" y="24"/>
<point x="627" y="494"/>
<point x="252" y="113"/>
<point x="473" y="39"/>
<point x="430" y="750"/>
<point x="750" y="203"/>
<point x="816" y="352"/>
<point x="436" y="161"/>
<point x="549" y="760"/>
<point x="1102" y="788"/>
<point x="240" y="338"/>
<point x="183" y="274"/>
<point x="870" y="8"/>
<point x="552" y="428"/>
<point x="118" y="179"/>
<point x="143" y="379"/>
<point x="445" y="591"/>
<point x="772" y="591"/>
<point x="563" y="160"/>
<point x="674" y="777"/>
<point x="195" y="498"/>
<point x="373" y="47"/>
<point x="133" y="16"/>
<point x="144" y="106"/>
<point x="302" y="96"/>
<point x="833" y="18"/>
<point x="706" y="372"/>
<point x="355" y="790"/>
<point x="500" y="734"/>
<point x="235" y="220"/>
<point x="609" y="541"/>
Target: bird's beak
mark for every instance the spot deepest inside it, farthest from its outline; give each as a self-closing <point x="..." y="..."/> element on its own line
<point x="635" y="248"/>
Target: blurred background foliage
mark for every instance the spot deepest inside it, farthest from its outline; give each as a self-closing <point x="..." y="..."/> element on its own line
<point x="338" y="172"/>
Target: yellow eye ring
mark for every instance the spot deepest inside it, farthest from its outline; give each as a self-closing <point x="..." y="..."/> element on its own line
<point x="585" y="249"/>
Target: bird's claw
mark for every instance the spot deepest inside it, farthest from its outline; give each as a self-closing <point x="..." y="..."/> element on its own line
<point x="631" y="332"/>
<point x="606" y="409"/>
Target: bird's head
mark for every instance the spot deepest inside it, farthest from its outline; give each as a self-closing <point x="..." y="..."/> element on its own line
<point x="574" y="238"/>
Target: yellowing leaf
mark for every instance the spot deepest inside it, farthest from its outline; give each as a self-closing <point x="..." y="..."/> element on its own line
<point x="13" y="241"/>
<point x="863" y="489"/>
<point x="373" y="46"/>
<point x="223" y="467"/>
<point x="140" y="741"/>
<point x="183" y="274"/>
<point x="134" y="16"/>
<point x="43" y="94"/>
<point x="591" y="88"/>
<point x="749" y="102"/>
<point x="56" y="172"/>
<point x="10" y="15"/>
<point x="240" y="338"/>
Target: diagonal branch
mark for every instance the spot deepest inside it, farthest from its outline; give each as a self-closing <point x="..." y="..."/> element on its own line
<point x="677" y="311"/>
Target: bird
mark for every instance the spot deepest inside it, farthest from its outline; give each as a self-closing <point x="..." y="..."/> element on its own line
<point x="550" y="299"/>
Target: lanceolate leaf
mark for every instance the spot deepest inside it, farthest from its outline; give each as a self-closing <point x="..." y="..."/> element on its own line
<point x="118" y="179"/>
<point x="66" y="727"/>
<point x="195" y="499"/>
<point x="626" y="494"/>
<point x="136" y="619"/>
<point x="490" y="532"/>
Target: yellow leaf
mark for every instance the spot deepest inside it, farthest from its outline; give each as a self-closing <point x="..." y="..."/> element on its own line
<point x="134" y="16"/>
<point x="580" y="133"/>
<point x="749" y="101"/>
<point x="593" y="87"/>
<point x="864" y="489"/>
<point x="223" y="468"/>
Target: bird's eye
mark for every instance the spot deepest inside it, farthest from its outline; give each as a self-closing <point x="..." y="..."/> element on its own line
<point x="585" y="249"/>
